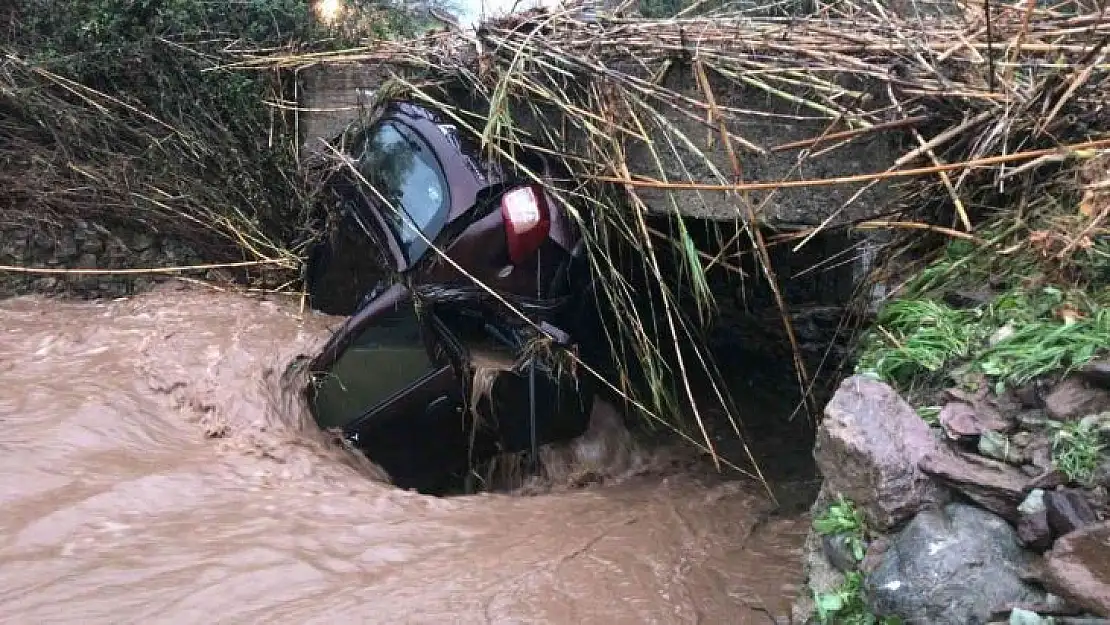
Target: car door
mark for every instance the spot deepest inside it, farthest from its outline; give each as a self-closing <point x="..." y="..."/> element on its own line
<point x="383" y="383"/>
<point x="519" y="407"/>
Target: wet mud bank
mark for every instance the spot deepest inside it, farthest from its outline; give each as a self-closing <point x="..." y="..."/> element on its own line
<point x="161" y="463"/>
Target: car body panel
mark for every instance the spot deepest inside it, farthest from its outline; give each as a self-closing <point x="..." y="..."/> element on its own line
<point x="412" y="404"/>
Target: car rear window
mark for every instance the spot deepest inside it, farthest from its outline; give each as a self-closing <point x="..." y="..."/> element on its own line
<point x="402" y="168"/>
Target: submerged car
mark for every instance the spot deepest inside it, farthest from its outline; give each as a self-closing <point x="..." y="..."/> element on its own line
<point x="433" y="372"/>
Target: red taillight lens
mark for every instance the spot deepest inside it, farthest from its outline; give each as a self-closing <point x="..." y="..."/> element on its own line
<point x="527" y="221"/>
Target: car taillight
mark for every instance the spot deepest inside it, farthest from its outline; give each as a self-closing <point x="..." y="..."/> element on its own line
<point x="527" y="221"/>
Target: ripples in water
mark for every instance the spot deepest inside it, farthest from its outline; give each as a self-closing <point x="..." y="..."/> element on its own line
<point x="159" y="466"/>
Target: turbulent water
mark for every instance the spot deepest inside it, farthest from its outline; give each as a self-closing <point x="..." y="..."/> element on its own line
<point x="158" y="465"/>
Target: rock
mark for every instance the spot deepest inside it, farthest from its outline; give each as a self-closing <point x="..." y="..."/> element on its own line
<point x="1078" y="568"/>
<point x="820" y="575"/>
<point x="1074" y="398"/>
<point x="1068" y="511"/>
<point x="1099" y="498"/>
<point x="46" y="284"/>
<point x="1033" y="503"/>
<point x="973" y="415"/>
<point x="92" y="245"/>
<point x="87" y="261"/>
<point x="874" y="556"/>
<point x="1022" y="439"/>
<point x="141" y="241"/>
<point x="1096" y="372"/>
<point x="952" y="566"/>
<point x="996" y="486"/>
<point x="968" y="298"/>
<point x="839" y="549"/>
<point x="65" y="247"/>
<point x="1028" y="395"/>
<point x="1025" y="617"/>
<point x="14" y="245"/>
<point x="1033" y="528"/>
<point x="1054" y="611"/>
<point x="868" y="448"/>
<point x="1034" y="531"/>
<point x="1032" y="419"/>
<point x="959" y="421"/>
<point x="1101" y="476"/>
<point x="1040" y="453"/>
<point x="1049" y="480"/>
<point x="997" y="446"/>
<point x="41" y="240"/>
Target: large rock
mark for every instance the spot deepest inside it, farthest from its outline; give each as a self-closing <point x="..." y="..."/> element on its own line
<point x="1068" y="510"/>
<point x="1078" y="568"/>
<point x="953" y="566"/>
<point x="1075" y="398"/>
<point x="994" y="485"/>
<point x="868" y="448"/>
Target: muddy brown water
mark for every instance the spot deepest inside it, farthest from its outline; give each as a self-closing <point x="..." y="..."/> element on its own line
<point x="158" y="465"/>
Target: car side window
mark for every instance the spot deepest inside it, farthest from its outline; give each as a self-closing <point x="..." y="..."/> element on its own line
<point x="386" y="358"/>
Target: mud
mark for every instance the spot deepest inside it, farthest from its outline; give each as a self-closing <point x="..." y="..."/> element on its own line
<point x="159" y="466"/>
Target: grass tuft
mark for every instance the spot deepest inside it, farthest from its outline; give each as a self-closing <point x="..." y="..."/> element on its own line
<point x="1077" y="449"/>
<point x="915" y="337"/>
<point x="1015" y="338"/>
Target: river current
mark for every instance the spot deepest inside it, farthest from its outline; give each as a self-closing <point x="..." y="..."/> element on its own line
<point x="159" y="466"/>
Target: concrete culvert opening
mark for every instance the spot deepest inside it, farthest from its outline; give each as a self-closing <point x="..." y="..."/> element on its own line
<point x="750" y="349"/>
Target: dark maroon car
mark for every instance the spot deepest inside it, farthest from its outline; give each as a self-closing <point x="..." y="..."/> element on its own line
<point x="434" y="373"/>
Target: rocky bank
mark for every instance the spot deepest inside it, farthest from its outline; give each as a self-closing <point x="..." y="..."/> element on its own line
<point x="995" y="511"/>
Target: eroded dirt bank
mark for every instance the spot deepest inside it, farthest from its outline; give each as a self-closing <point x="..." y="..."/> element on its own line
<point x="158" y="467"/>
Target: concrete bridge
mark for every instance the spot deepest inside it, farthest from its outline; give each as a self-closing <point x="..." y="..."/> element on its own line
<point x="332" y="94"/>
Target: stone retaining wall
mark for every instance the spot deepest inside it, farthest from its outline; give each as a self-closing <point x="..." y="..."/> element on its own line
<point x="84" y="245"/>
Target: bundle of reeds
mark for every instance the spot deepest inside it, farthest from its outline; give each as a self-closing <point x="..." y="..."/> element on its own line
<point x="989" y="103"/>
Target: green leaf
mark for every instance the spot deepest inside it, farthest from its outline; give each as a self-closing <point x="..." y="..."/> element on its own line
<point x="830" y="603"/>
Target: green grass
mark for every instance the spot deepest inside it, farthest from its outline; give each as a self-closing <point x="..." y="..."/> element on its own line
<point x="845" y="605"/>
<point x="914" y="337"/>
<point x="1077" y="450"/>
<point x="1046" y="315"/>
<point x="929" y="414"/>
<point x="1041" y="347"/>
<point x="1018" y="336"/>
